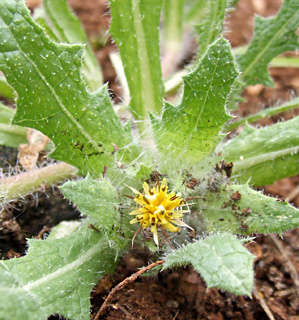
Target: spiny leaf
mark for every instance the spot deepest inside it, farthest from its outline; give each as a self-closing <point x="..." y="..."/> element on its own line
<point x="242" y="210"/>
<point x="272" y="36"/>
<point x="105" y="204"/>
<point x="212" y="24"/>
<point x="53" y="97"/>
<point x="221" y="260"/>
<point x="190" y="131"/>
<point x="56" y="276"/>
<point x="96" y="199"/>
<point x="135" y="30"/>
<point x="68" y="29"/>
<point x="264" y="155"/>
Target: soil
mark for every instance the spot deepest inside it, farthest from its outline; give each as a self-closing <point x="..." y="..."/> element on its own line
<point x="180" y="294"/>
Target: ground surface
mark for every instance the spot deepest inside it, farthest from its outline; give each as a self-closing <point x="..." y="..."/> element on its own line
<point x="182" y="294"/>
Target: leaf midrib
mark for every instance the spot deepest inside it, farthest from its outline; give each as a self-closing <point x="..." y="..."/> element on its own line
<point x="204" y="102"/>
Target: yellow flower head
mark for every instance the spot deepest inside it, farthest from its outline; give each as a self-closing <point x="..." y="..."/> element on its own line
<point x="157" y="209"/>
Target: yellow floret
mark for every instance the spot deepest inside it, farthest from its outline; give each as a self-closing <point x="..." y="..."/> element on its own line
<point x="157" y="209"/>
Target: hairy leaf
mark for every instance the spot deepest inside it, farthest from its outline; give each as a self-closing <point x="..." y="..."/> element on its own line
<point x="135" y="30"/>
<point x="68" y="29"/>
<point x="221" y="260"/>
<point x="242" y="210"/>
<point x="190" y="131"/>
<point x="53" y="98"/>
<point x="272" y="36"/>
<point x="11" y="136"/>
<point x="56" y="276"/>
<point x="96" y="199"/>
<point x="100" y="201"/>
<point x="212" y="25"/>
<point x="264" y="155"/>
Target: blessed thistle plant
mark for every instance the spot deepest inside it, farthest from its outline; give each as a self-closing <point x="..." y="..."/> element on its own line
<point x="57" y="84"/>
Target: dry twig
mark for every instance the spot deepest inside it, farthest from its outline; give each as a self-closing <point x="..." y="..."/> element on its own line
<point x="263" y="304"/>
<point x="125" y="282"/>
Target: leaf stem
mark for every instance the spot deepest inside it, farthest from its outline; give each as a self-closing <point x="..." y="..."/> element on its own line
<point x="173" y="34"/>
<point x="144" y="56"/>
<point x="294" y="103"/>
<point x="26" y="182"/>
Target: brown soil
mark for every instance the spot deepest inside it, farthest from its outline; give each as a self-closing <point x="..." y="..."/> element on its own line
<point x="182" y="294"/>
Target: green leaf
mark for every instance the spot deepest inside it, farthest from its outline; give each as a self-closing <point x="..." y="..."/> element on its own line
<point x="264" y="155"/>
<point x="212" y="25"/>
<point x="54" y="99"/>
<point x="68" y="29"/>
<point x="100" y="201"/>
<point x="39" y="15"/>
<point x="135" y="30"/>
<point x="242" y="210"/>
<point x="56" y="276"/>
<point x="11" y="136"/>
<point x="190" y="131"/>
<point x="96" y="199"/>
<point x="5" y="89"/>
<point x="272" y="36"/>
<point x="221" y="260"/>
